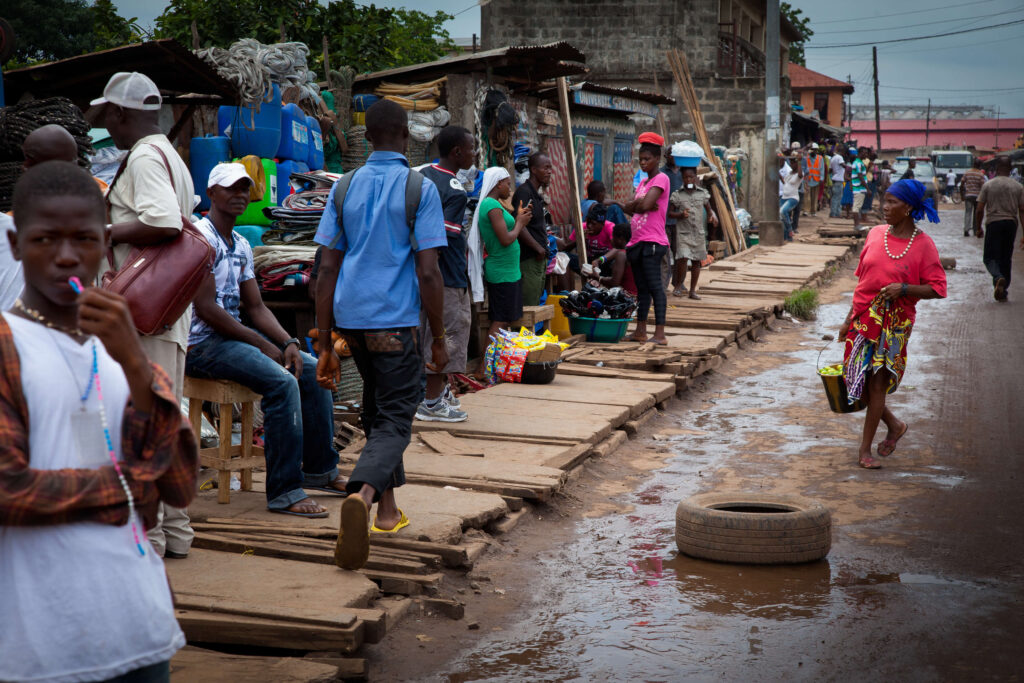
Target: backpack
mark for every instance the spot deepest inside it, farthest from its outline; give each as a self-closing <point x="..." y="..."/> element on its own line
<point x="413" y="193"/>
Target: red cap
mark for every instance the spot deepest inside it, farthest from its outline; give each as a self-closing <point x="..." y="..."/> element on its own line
<point x="652" y="138"/>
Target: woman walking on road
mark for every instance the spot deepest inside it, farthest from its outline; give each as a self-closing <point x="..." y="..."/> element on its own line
<point x="899" y="266"/>
<point x="649" y="244"/>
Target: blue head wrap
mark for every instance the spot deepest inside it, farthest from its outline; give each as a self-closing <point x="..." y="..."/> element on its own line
<point x="911" y="192"/>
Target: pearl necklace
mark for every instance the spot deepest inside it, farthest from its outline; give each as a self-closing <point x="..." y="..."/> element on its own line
<point x="885" y="243"/>
<point x="38" y="317"/>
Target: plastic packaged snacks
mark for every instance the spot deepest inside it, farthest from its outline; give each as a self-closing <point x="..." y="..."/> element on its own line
<point x="508" y="352"/>
<point x="598" y="302"/>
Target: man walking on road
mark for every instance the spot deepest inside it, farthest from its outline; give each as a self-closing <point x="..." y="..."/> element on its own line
<point x="533" y="242"/>
<point x="858" y="181"/>
<point x="1001" y="202"/>
<point x="813" y="178"/>
<point x="970" y="186"/>
<point x="147" y="199"/>
<point x="837" y="166"/>
<point x="375" y="271"/>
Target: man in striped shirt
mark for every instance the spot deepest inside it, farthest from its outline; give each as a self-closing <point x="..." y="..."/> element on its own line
<point x="970" y="186"/>
<point x="858" y="182"/>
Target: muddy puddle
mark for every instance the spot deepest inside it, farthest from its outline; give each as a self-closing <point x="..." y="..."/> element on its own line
<point x="619" y="602"/>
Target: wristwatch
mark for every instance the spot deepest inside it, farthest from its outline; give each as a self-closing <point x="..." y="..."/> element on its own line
<point x="293" y="340"/>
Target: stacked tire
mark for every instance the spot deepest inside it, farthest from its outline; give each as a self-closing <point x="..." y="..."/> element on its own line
<point x="752" y="528"/>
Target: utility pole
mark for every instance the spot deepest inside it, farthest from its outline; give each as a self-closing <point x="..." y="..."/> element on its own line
<point x="878" y="120"/>
<point x="770" y="229"/>
<point x="997" y="129"/>
<point x="927" y="122"/>
<point x="849" y="101"/>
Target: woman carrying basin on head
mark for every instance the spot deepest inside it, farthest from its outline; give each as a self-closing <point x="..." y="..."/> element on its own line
<point x="899" y="266"/>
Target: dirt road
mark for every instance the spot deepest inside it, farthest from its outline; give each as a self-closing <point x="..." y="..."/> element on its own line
<point x="924" y="580"/>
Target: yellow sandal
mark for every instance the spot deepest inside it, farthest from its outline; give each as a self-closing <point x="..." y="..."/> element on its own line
<point x="402" y="522"/>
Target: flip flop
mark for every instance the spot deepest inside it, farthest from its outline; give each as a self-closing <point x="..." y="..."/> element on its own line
<point x="887" y="446"/>
<point x="307" y="515"/>
<point x="353" y="546"/>
<point x="679" y="292"/>
<point x="402" y="523"/>
<point x="325" y="489"/>
<point x="869" y="463"/>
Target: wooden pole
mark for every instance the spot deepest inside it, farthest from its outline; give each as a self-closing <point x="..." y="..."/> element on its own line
<point x="878" y="123"/>
<point x="195" y="35"/>
<point x="570" y="158"/>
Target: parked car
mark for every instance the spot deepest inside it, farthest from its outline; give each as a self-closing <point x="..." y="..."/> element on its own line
<point x="923" y="171"/>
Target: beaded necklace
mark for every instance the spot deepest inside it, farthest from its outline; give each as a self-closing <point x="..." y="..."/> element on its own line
<point x="885" y="243"/>
<point x="94" y="380"/>
<point x="38" y="317"/>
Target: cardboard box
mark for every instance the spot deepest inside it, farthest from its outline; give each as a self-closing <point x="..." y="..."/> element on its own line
<point x="549" y="352"/>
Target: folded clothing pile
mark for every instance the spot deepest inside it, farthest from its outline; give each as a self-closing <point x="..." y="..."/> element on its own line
<point x="296" y="220"/>
<point x="279" y="267"/>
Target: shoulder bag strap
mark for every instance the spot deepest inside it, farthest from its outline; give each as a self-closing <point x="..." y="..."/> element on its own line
<point x="340" y="190"/>
<point x="413" y="196"/>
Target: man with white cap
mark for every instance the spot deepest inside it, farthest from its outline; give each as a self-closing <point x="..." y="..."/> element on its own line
<point x="150" y="193"/>
<point x="298" y="415"/>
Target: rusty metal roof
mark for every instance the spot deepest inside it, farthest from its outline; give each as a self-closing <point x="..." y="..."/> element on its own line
<point x="180" y="75"/>
<point x="531" y="63"/>
<point x="645" y="95"/>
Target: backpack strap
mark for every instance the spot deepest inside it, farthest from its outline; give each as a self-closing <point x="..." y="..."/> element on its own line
<point x="413" y="194"/>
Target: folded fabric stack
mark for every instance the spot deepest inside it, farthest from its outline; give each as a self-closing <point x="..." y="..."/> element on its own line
<point x="279" y="267"/>
<point x="296" y="221"/>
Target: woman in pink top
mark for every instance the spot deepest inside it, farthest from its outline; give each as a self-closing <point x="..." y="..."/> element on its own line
<point x="649" y="242"/>
<point x="898" y="267"/>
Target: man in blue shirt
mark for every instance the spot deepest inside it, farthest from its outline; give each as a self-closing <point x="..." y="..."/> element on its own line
<point x="373" y="277"/>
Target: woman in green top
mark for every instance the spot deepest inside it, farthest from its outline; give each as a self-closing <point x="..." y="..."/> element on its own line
<point x="499" y="232"/>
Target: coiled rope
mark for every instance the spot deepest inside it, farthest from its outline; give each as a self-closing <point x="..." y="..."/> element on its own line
<point x="252" y="66"/>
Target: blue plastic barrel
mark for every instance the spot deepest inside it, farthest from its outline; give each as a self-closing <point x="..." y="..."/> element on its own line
<point x="204" y="154"/>
<point x="294" y="134"/>
<point x="316" y="144"/>
<point x="363" y="102"/>
<point x="285" y="168"/>
<point x="253" y="132"/>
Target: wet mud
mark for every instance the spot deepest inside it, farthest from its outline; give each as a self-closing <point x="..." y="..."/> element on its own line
<point x="924" y="579"/>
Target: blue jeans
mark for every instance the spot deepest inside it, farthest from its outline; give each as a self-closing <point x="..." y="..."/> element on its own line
<point x="836" y="209"/>
<point x="786" y="208"/>
<point x="298" y="419"/>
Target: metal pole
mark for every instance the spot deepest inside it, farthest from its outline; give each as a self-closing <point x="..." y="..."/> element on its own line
<point x="927" y="121"/>
<point x="878" y="124"/>
<point x="770" y="229"/>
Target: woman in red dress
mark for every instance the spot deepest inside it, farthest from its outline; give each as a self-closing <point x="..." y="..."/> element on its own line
<point x="898" y="267"/>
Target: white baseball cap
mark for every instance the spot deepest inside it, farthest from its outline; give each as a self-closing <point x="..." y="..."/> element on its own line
<point x="227" y="174"/>
<point x="131" y="90"/>
<point x="795" y="145"/>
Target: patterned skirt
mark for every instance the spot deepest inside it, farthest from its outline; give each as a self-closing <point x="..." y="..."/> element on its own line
<point x="878" y="339"/>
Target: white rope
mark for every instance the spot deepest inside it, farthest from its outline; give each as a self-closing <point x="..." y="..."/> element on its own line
<point x="252" y="66"/>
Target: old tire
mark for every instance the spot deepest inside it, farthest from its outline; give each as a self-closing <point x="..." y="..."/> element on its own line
<point x="753" y="528"/>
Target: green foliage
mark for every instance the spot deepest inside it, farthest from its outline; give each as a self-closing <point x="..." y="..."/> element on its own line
<point x="367" y="38"/>
<point x="110" y="29"/>
<point x="45" y="30"/>
<point x="803" y="24"/>
<point x="802" y="303"/>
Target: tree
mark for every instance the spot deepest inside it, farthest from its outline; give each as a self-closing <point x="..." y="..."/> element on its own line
<point x="802" y="24"/>
<point x="45" y="30"/>
<point x="365" y="37"/>
<point x="110" y="29"/>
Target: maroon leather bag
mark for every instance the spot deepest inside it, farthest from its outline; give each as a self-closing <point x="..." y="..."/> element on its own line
<point x="159" y="281"/>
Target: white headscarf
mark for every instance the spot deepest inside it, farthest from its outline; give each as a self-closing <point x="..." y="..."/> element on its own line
<point x="492" y="177"/>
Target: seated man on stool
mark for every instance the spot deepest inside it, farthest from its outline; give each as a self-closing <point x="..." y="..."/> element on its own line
<point x="298" y="415"/>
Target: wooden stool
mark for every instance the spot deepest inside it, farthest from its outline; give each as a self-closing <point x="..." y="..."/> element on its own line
<point x="225" y="458"/>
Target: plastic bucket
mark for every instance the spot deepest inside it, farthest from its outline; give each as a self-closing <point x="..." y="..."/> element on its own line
<point x="539" y="373"/>
<point x="835" y="388"/>
<point x="316" y="144"/>
<point x="600" y="329"/>
<point x="687" y="162"/>
<point x="559" y="323"/>
<point x="203" y="154"/>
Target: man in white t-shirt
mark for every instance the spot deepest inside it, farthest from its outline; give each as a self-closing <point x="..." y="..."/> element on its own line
<point x="837" y="167"/>
<point x="148" y="197"/>
<point x="82" y="595"/>
<point x="950" y="183"/>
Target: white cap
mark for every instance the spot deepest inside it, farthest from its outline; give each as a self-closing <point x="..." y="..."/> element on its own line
<point x="228" y="174"/>
<point x="131" y="90"/>
<point x="795" y="145"/>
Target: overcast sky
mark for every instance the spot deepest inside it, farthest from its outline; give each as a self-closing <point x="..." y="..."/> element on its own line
<point x="979" y="68"/>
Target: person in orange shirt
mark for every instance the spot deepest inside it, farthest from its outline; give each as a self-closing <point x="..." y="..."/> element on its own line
<point x="815" y="176"/>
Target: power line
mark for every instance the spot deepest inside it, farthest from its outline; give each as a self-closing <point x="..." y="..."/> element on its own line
<point x="859" y="56"/>
<point x="907" y="40"/>
<point x="461" y="11"/>
<point x="927" y="23"/>
<point x="954" y="90"/>
<point x="900" y="14"/>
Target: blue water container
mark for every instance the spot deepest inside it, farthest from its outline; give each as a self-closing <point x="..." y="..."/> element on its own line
<point x="285" y="168"/>
<point x="204" y="154"/>
<point x="294" y="134"/>
<point x="364" y="102"/>
<point x="316" y="144"/>
<point x="253" y="132"/>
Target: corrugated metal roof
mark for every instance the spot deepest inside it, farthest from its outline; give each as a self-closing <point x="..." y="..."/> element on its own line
<point x="533" y="63"/>
<point x="645" y="95"/>
<point x="801" y="77"/>
<point x="174" y="69"/>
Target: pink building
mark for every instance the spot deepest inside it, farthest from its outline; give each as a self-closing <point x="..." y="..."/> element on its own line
<point x="984" y="135"/>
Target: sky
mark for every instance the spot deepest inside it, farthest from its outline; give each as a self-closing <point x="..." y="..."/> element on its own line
<point x="976" y="68"/>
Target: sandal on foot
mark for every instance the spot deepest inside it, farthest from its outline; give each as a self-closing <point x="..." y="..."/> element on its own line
<point x="325" y="489"/>
<point x="694" y="296"/>
<point x="353" y="546"/>
<point x="869" y="463"/>
<point x="402" y="522"/>
<point x="887" y="446"/>
<point x="307" y="515"/>
<point x="679" y="292"/>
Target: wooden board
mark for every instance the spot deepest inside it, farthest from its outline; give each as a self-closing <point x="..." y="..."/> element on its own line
<point x="579" y="389"/>
<point x="196" y="665"/>
<point x="232" y="629"/>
